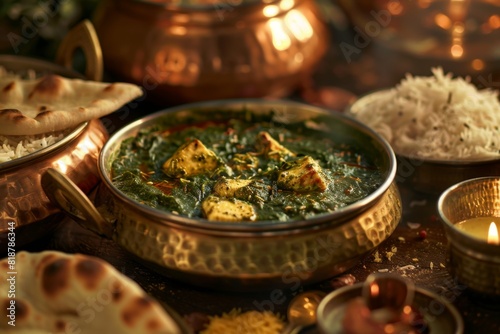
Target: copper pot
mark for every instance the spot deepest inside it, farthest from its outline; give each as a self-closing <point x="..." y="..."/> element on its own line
<point x="193" y="51"/>
<point x="242" y="256"/>
<point x="24" y="208"/>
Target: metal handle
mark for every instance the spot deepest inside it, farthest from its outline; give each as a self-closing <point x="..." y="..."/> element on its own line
<point x="66" y="195"/>
<point x="82" y="36"/>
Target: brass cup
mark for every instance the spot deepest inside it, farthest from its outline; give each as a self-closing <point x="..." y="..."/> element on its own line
<point x="473" y="261"/>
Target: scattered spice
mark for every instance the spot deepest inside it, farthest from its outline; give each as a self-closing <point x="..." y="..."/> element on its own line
<point x="413" y="226"/>
<point x="376" y="257"/>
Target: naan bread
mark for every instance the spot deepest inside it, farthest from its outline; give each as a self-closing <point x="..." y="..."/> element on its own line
<point x="52" y="103"/>
<point x="61" y="293"/>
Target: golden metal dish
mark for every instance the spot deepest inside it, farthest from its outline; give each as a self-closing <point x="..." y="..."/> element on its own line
<point x="196" y="50"/>
<point x="473" y="261"/>
<point x="243" y="255"/>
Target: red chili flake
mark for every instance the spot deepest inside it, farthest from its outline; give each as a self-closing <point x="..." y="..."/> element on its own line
<point x="434" y="218"/>
<point x="422" y="234"/>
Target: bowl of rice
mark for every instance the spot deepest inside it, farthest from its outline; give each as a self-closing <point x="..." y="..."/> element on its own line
<point x="26" y="210"/>
<point x="442" y="128"/>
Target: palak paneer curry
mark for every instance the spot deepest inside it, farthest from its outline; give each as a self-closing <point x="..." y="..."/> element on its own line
<point x="242" y="170"/>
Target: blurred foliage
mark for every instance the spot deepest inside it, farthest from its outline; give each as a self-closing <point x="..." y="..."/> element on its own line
<point x="36" y="27"/>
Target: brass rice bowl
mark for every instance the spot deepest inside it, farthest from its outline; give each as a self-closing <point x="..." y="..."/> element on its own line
<point x="430" y="175"/>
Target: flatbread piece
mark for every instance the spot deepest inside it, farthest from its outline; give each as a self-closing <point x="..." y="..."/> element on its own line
<point x="53" y="103"/>
<point x="60" y="293"/>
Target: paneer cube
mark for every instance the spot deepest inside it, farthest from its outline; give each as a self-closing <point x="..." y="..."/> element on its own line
<point x="253" y="191"/>
<point x="302" y="175"/>
<point x="219" y="209"/>
<point x="269" y="146"/>
<point x="229" y="187"/>
<point x="191" y="159"/>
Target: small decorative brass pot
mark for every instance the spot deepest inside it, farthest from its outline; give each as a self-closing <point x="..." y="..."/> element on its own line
<point x="474" y="261"/>
<point x="242" y="255"/>
<point x="199" y="50"/>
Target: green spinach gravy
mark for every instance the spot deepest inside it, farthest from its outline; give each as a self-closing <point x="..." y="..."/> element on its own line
<point x="346" y="174"/>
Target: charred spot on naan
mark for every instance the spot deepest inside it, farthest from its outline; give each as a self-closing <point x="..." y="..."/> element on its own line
<point x="109" y="88"/>
<point x="9" y="87"/>
<point x="12" y="115"/>
<point x="116" y="291"/>
<point x="153" y="325"/>
<point x="134" y="309"/>
<point x="49" y="85"/>
<point x="55" y="277"/>
<point x="43" y="262"/>
<point x="44" y="113"/>
<point x="60" y="325"/>
<point x="22" y="310"/>
<point x="89" y="272"/>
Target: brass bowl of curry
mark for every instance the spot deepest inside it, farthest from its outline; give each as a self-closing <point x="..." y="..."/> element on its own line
<point x="242" y="194"/>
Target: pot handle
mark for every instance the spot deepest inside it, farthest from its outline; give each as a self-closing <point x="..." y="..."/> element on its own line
<point x="66" y="195"/>
<point x="85" y="37"/>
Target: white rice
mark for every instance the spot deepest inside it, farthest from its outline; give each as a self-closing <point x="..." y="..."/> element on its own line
<point x="437" y="117"/>
<point x="13" y="147"/>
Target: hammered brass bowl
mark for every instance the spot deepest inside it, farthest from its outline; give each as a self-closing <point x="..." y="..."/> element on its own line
<point x="473" y="261"/>
<point x="197" y="50"/>
<point x="243" y="255"/>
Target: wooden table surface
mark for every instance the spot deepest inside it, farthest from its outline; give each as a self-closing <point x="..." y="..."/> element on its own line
<point x="422" y="260"/>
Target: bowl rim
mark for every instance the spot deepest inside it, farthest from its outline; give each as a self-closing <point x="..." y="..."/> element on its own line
<point x="372" y="95"/>
<point x="263" y="225"/>
<point x="44" y="152"/>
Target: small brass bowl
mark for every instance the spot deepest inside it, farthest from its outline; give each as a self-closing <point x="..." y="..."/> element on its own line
<point x="439" y="315"/>
<point x="474" y="262"/>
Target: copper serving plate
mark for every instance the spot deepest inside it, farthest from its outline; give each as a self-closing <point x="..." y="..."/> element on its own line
<point x="243" y="255"/>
